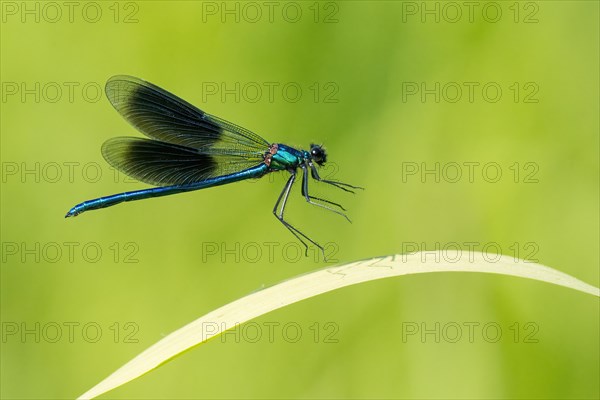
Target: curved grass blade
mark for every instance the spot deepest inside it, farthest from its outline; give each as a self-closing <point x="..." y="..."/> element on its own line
<point x="321" y="281"/>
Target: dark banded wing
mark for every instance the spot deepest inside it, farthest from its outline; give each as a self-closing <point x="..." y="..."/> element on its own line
<point x="163" y="116"/>
<point x="162" y="164"/>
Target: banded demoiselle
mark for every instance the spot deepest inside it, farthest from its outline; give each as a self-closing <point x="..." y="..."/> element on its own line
<point x="189" y="149"/>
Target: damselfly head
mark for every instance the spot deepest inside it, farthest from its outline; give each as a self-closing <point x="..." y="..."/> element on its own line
<point x="317" y="153"/>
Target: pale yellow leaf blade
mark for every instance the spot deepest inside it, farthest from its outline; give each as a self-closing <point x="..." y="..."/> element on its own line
<point x="321" y="281"/>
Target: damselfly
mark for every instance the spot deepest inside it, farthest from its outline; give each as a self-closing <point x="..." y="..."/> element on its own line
<point x="189" y="149"/>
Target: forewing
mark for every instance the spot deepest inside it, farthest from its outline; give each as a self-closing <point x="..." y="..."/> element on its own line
<point x="163" y="116"/>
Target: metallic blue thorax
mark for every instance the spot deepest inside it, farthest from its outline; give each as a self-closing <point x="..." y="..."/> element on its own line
<point x="287" y="158"/>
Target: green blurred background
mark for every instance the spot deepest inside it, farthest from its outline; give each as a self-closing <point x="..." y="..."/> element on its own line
<point x="360" y="67"/>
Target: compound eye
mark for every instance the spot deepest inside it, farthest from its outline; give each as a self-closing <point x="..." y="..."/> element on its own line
<point x="317" y="154"/>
